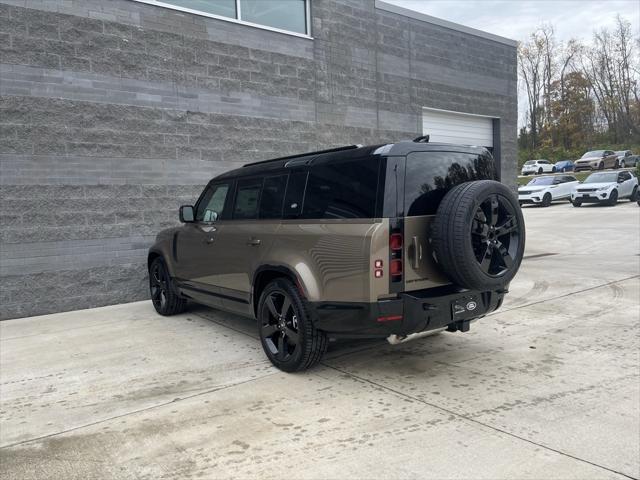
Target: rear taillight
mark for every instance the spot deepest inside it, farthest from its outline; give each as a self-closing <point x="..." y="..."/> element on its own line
<point x="395" y="255"/>
<point x="395" y="242"/>
<point x="395" y="269"/>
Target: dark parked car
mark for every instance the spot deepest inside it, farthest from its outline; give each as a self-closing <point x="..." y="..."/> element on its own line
<point x="378" y="241"/>
<point x="564" y="166"/>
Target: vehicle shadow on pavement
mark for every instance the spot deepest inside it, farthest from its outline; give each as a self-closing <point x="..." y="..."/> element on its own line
<point x="337" y="349"/>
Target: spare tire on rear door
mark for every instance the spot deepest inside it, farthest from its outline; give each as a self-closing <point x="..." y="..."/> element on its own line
<point x="478" y="235"/>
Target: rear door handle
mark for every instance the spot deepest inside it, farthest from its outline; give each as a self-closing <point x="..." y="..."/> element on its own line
<point x="254" y="242"/>
<point x="417" y="253"/>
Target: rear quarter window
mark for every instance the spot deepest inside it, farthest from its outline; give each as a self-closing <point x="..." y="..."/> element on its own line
<point x="430" y="175"/>
<point x="342" y="189"/>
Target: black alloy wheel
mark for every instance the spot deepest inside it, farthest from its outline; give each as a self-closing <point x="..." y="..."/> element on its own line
<point x="576" y="203"/>
<point x="279" y="327"/>
<point x="546" y="200"/>
<point x="613" y="198"/>
<point x="164" y="296"/>
<point x="540" y="171"/>
<point x="287" y="333"/>
<point x="495" y="235"/>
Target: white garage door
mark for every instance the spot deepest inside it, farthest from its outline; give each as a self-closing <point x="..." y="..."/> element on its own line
<point x="455" y="127"/>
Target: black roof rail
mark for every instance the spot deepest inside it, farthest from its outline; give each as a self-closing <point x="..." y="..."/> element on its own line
<point x="422" y="139"/>
<point x="330" y="150"/>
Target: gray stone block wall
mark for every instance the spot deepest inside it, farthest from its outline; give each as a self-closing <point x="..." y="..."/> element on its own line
<point x="114" y="113"/>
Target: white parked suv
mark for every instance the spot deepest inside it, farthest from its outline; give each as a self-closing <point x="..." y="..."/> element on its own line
<point x="606" y="187"/>
<point x="543" y="190"/>
<point x="537" y="167"/>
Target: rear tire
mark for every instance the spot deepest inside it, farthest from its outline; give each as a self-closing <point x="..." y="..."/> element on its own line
<point x="540" y="171"/>
<point x="546" y="200"/>
<point x="601" y="166"/>
<point x="164" y="295"/>
<point x="553" y="170"/>
<point x="623" y="164"/>
<point x="634" y="195"/>
<point x="288" y="336"/>
<point x="478" y="235"/>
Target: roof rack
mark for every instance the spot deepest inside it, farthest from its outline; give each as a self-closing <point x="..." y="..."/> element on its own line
<point x="330" y="150"/>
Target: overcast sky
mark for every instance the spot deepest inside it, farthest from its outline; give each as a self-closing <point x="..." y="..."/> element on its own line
<point x="517" y="18"/>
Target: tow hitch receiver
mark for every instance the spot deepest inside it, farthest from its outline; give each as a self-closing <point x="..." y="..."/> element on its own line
<point x="459" y="326"/>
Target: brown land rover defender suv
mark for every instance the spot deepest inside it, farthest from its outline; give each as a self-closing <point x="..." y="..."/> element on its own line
<point x="354" y="242"/>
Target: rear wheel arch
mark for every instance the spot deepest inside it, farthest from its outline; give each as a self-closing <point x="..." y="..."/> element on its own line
<point x="265" y="275"/>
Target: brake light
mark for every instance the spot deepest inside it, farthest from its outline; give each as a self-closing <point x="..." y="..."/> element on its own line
<point x="395" y="241"/>
<point x="395" y="268"/>
<point x="390" y="318"/>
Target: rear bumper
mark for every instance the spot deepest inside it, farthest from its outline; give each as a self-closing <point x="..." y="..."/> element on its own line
<point x="411" y="312"/>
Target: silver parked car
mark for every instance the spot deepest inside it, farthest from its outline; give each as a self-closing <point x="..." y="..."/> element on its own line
<point x="626" y="158"/>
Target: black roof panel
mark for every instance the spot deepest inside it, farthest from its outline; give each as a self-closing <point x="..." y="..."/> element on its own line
<point x="391" y="149"/>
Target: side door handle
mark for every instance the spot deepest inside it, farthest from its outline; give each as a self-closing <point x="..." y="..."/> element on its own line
<point x="254" y="242"/>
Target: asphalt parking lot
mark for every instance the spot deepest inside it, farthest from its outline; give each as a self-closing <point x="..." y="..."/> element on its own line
<point x="547" y="387"/>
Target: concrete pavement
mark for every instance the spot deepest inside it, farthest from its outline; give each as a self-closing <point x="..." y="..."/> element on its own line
<point x="547" y="387"/>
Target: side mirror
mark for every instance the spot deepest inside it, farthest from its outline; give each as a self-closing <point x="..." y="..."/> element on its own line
<point x="186" y="214"/>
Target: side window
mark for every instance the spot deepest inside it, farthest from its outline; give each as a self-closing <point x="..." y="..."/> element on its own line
<point x="342" y="189"/>
<point x="211" y="206"/>
<point x="295" y="195"/>
<point x="625" y="176"/>
<point x="245" y="206"/>
<point x="272" y="197"/>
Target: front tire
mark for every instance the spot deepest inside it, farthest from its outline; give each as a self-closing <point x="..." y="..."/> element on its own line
<point x="613" y="198"/>
<point x="576" y="203"/>
<point x="546" y="200"/>
<point x="164" y="295"/>
<point x="288" y="336"/>
<point x="540" y="171"/>
<point x="601" y="166"/>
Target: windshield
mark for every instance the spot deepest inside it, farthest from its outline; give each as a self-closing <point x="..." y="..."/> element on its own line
<point x="541" y="181"/>
<point x="530" y="162"/>
<point x="602" y="178"/>
<point x="621" y="152"/>
<point x="595" y="153"/>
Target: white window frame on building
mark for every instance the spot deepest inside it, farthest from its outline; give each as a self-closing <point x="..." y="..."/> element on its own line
<point x="238" y="7"/>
